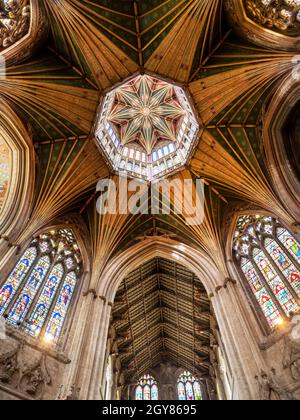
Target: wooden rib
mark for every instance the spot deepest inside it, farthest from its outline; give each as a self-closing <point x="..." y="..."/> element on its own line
<point x="107" y="62"/>
<point x="214" y="93"/>
<point x="175" y="55"/>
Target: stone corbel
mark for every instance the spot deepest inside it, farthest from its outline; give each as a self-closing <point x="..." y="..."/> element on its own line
<point x="90" y="291"/>
<point x="228" y="280"/>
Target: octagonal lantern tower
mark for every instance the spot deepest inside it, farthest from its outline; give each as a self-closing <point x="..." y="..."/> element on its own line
<point x="147" y="127"/>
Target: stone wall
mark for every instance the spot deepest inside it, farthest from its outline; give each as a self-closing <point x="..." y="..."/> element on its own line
<point x="28" y="372"/>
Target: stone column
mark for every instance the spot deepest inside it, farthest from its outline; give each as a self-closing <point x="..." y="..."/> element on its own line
<point x="240" y="343"/>
<point x="92" y="360"/>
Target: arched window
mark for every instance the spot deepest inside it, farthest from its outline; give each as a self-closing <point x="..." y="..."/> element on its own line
<point x="5" y="170"/>
<point x="38" y="292"/>
<point x="146" y="389"/>
<point x="269" y="258"/>
<point x="188" y="387"/>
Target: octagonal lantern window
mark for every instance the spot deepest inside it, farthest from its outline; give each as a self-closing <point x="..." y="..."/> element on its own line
<point x="147" y="127"/>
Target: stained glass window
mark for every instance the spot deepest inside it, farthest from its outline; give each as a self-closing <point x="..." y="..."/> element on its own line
<point x="38" y="292"/>
<point x="146" y="389"/>
<point x="188" y="387"/>
<point x="17" y="276"/>
<point x="269" y="258"/>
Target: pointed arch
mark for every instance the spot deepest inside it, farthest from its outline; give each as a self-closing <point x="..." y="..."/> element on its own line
<point x="267" y="256"/>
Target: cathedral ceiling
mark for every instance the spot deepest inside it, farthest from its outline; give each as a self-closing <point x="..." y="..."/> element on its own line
<point x="95" y="44"/>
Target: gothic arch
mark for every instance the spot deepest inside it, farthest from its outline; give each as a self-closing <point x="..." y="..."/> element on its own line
<point x="17" y="206"/>
<point x="285" y="180"/>
<point x="255" y="33"/>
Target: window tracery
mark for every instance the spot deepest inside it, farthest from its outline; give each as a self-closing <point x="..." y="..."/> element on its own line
<point x="282" y="15"/>
<point x="14" y="21"/>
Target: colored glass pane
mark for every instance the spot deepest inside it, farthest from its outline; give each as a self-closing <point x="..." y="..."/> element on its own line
<point x="40" y="311"/>
<point x="16" y="277"/>
<point x="291" y="244"/>
<point x="284" y="264"/>
<point x="283" y="295"/>
<point x="5" y="170"/>
<point x="181" y="391"/>
<point x="60" y="311"/>
<point x="147" y="392"/>
<point x="276" y="254"/>
<point x="139" y="393"/>
<point x="188" y="387"/>
<point x="146" y="389"/>
<point x="30" y="290"/>
<point x="263" y="297"/>
<point x="197" y="391"/>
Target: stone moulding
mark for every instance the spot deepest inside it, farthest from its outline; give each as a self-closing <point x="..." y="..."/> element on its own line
<point x="255" y="33"/>
<point x="285" y="181"/>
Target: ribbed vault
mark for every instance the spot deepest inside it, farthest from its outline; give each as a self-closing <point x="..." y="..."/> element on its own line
<point x="162" y="314"/>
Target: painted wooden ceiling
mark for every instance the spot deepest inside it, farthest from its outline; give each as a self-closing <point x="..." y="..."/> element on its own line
<point x="94" y="44"/>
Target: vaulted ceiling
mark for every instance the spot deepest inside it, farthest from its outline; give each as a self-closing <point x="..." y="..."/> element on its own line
<point x="162" y="313"/>
<point x="94" y="44"/>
